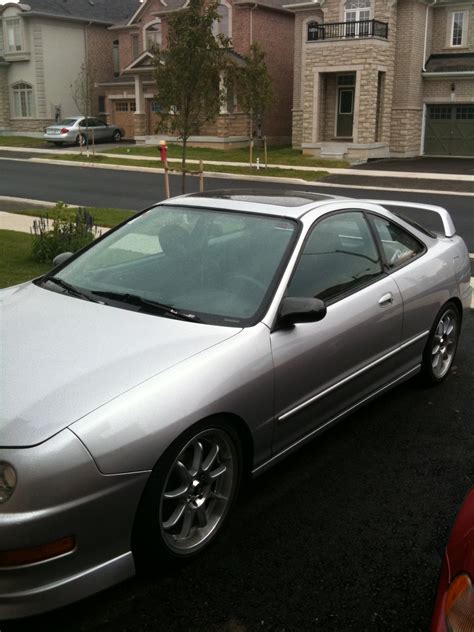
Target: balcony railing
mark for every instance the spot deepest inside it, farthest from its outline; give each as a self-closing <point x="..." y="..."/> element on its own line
<point x="347" y="30"/>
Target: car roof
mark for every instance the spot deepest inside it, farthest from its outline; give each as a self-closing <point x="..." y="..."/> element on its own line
<point x="288" y="203"/>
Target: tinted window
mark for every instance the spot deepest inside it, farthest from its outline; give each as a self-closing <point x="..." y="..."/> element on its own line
<point x="398" y="245"/>
<point x="340" y="255"/>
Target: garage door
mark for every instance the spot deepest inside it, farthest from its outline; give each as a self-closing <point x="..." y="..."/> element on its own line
<point x="123" y="116"/>
<point x="450" y="130"/>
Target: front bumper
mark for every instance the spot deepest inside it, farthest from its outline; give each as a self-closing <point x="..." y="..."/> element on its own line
<point x="61" y="493"/>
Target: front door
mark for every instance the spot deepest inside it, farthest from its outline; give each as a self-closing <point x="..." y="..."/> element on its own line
<point x="345" y="106"/>
<point x="324" y="368"/>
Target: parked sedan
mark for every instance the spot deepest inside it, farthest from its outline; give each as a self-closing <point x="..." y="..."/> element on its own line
<point x="454" y="608"/>
<point x="80" y="130"/>
<point x="199" y="342"/>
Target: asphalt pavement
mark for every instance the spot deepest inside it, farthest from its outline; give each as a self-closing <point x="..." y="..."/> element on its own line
<point x="346" y="535"/>
<point x="92" y="186"/>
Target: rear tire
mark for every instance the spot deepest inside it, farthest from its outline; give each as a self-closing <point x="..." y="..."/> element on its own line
<point x="81" y="140"/>
<point x="188" y="497"/>
<point x="117" y="136"/>
<point x="441" y="346"/>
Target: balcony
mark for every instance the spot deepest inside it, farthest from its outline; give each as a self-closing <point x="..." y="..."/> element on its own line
<point x="361" y="29"/>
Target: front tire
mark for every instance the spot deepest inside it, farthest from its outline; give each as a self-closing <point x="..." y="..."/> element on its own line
<point x="81" y="140"/>
<point x="188" y="496"/>
<point x="442" y="343"/>
<point x="117" y="136"/>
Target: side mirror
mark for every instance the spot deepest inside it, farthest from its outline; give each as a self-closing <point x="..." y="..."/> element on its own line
<point x="59" y="259"/>
<point x="301" y="310"/>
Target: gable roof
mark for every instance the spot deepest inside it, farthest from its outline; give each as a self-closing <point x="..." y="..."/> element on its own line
<point x="108" y="11"/>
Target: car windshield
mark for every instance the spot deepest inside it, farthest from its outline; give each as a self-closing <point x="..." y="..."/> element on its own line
<point x="67" y="122"/>
<point x="209" y="265"/>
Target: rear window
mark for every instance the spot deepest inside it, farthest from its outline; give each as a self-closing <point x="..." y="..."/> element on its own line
<point x="67" y="122"/>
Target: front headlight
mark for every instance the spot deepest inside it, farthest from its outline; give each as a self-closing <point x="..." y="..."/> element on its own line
<point x="7" y="481"/>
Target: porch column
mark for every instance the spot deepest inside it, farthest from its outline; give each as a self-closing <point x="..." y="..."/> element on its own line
<point x="316" y="106"/>
<point x="139" y="116"/>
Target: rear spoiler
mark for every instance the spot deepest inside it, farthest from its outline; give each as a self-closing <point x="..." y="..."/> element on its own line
<point x="448" y="224"/>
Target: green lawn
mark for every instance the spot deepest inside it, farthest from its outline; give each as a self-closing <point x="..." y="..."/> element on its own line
<point x="108" y="217"/>
<point x="276" y="155"/>
<point x="21" y="141"/>
<point x="310" y="176"/>
<point x="16" y="264"/>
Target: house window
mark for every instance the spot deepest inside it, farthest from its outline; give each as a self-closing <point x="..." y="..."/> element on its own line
<point x="121" y="106"/>
<point x="14" y="43"/>
<point x="357" y="14"/>
<point x="457" y="28"/>
<point x="135" y="46"/>
<point x="153" y="35"/>
<point x="23" y="100"/>
<point x="1" y="37"/>
<point x="116" y="58"/>
<point x="222" y="26"/>
<point x="101" y="104"/>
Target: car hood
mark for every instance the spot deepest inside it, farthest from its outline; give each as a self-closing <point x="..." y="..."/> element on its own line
<point x="62" y="357"/>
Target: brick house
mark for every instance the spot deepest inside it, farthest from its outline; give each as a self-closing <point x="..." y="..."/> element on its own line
<point x="379" y="78"/>
<point x="42" y="47"/>
<point x="129" y="94"/>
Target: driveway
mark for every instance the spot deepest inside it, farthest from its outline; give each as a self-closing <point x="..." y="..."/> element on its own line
<point x="423" y="164"/>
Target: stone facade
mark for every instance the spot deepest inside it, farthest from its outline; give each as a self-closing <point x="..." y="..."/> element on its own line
<point x="4" y="99"/>
<point x="391" y="85"/>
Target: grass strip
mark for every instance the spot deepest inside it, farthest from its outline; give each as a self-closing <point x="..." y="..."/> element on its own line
<point x="108" y="217"/>
<point x="310" y="176"/>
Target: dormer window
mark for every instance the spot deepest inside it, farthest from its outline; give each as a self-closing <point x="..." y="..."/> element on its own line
<point x="153" y="36"/>
<point x="14" y="33"/>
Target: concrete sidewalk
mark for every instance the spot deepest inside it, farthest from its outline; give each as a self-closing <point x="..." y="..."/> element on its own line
<point x="378" y="171"/>
<point x="24" y="223"/>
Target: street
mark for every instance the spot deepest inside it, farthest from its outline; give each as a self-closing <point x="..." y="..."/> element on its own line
<point x="345" y="535"/>
<point x="136" y="190"/>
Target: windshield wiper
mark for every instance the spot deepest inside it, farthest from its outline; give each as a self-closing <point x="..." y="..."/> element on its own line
<point x="139" y="301"/>
<point x="71" y="289"/>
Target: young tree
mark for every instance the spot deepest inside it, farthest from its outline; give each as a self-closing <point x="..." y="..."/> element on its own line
<point x="82" y="90"/>
<point x="254" y="87"/>
<point x="188" y="72"/>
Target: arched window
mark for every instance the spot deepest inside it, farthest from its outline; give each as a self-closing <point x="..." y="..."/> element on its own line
<point x="23" y="105"/>
<point x="153" y="35"/>
<point x="223" y="25"/>
<point x="313" y="31"/>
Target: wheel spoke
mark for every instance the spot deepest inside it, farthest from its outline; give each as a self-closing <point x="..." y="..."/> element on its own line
<point x="201" y="517"/>
<point x="175" y="517"/>
<point x="197" y="458"/>
<point x="183" y="472"/>
<point x="211" y="457"/>
<point x="187" y="524"/>
<point x="217" y="496"/>
<point x="179" y="492"/>
<point x="436" y="360"/>
<point x="219" y="471"/>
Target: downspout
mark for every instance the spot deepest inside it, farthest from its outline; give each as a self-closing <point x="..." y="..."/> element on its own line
<point x="425" y="46"/>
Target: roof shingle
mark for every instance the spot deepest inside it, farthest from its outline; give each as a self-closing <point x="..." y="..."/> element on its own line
<point x="110" y="11"/>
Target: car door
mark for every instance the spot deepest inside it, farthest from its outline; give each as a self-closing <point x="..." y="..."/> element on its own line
<point x="324" y="368"/>
<point x="101" y="130"/>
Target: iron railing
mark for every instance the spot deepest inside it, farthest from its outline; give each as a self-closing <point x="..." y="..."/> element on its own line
<point x="346" y="30"/>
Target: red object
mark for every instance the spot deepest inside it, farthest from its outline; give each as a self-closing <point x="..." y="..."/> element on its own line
<point x="458" y="560"/>
<point x="64" y="130"/>
<point x="163" y="152"/>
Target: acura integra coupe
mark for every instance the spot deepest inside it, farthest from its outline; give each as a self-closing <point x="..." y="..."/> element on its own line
<point x="197" y="343"/>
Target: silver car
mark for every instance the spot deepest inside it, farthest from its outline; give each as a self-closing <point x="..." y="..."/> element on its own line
<point x="80" y="130"/>
<point x="197" y="343"/>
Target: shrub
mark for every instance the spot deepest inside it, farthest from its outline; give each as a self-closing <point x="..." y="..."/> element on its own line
<point x="63" y="234"/>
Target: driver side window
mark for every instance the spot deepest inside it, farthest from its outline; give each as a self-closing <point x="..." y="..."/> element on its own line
<point x="339" y="256"/>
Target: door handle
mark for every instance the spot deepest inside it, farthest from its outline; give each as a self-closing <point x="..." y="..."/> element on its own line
<point x="386" y="299"/>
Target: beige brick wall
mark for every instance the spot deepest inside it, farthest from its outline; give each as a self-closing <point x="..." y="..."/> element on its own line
<point x="439" y="90"/>
<point x="408" y="83"/>
<point x="442" y="25"/>
<point x="29" y="125"/>
<point x="297" y="137"/>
